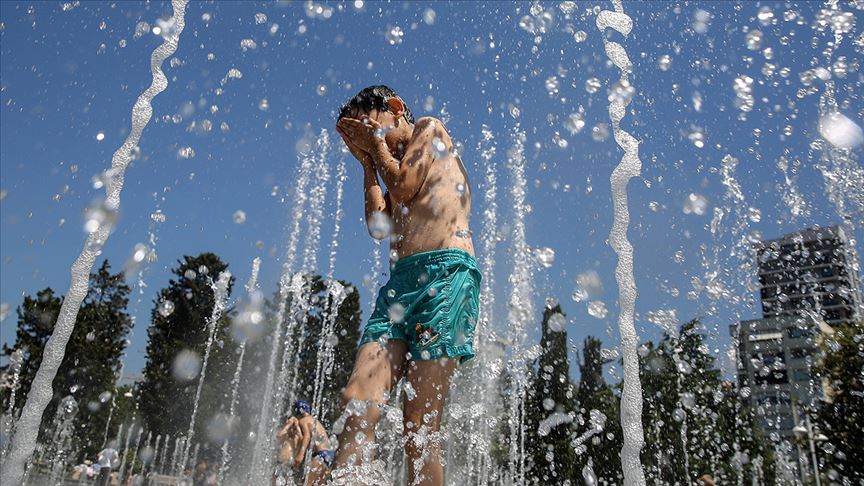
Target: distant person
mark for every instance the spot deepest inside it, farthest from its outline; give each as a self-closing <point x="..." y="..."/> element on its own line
<point x="425" y="315"/>
<point x="107" y="461"/>
<point x="312" y="435"/>
<point x="289" y="437"/>
<point x="705" y="480"/>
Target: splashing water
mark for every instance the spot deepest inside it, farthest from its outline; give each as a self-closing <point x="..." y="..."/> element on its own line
<point x="336" y="293"/>
<point x="266" y="421"/>
<point x="630" y="166"/>
<point x="220" y="294"/>
<point x="27" y="427"/>
<point x="251" y="290"/>
<point x="520" y="305"/>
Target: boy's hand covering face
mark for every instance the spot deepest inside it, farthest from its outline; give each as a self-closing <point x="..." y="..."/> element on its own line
<point x="361" y="133"/>
<point x="358" y="154"/>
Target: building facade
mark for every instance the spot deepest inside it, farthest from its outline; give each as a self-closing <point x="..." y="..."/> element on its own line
<point x="809" y="282"/>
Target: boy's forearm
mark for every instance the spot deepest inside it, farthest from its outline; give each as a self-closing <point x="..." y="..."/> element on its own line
<point x="387" y="165"/>
<point x="374" y="195"/>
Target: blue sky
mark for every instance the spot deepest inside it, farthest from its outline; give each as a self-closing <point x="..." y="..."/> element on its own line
<point x="69" y="74"/>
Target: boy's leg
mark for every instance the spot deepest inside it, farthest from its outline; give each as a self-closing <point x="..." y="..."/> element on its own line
<point x="318" y="473"/>
<point x="376" y="371"/>
<point x="422" y="416"/>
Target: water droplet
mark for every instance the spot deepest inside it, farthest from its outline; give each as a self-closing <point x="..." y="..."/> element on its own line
<point x="588" y="475"/>
<point x="186" y="152"/>
<point x="765" y="15"/>
<point x="552" y="85"/>
<point x="380" y="226"/>
<point x="687" y="400"/>
<point x="396" y="313"/>
<point x="743" y="87"/>
<point x="666" y="319"/>
<point x="701" y="21"/>
<point x="186" y="365"/>
<point x="597" y="308"/>
<point x="321" y="90"/>
<point x="263" y="104"/>
<point x="695" y="204"/>
<point x="600" y="132"/>
<point x="575" y="122"/>
<point x="100" y="136"/>
<point x="394" y="35"/>
<point x="592" y="85"/>
<point x="239" y="216"/>
<point x="429" y="16"/>
<point x="579" y="295"/>
<point x="580" y="36"/>
<point x="754" y="40"/>
<point x="840" y="131"/>
<point x="158" y="216"/>
<point x="697" y="138"/>
<point x="546" y="256"/>
<point x="260" y="18"/>
<point x="439" y="148"/>
<point x="166" y="308"/>
<point x="248" y="44"/>
<point x="664" y="62"/>
<point x="754" y="214"/>
<point x="556" y="322"/>
<point x="621" y="92"/>
<point x="99" y="215"/>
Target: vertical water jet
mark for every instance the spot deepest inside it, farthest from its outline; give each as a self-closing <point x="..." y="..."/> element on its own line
<point x="27" y="427"/>
<point x="629" y="166"/>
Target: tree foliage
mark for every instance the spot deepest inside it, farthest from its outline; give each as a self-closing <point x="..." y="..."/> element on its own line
<point x="90" y="367"/>
<point x="167" y="394"/>
<point x="595" y="395"/>
<point x="550" y="406"/>
<point x="694" y="424"/>
<point x="841" y="416"/>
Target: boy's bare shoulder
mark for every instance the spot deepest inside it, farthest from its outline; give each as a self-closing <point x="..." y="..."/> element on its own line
<point x="429" y="126"/>
<point x="429" y="123"/>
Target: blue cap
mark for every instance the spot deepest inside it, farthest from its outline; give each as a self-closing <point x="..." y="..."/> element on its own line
<point x="301" y="407"/>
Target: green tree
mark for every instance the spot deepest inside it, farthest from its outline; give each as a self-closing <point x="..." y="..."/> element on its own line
<point x="594" y="394"/>
<point x="550" y="405"/>
<point x="841" y="415"/>
<point x="694" y="423"/>
<point x="178" y="337"/>
<point x="91" y="363"/>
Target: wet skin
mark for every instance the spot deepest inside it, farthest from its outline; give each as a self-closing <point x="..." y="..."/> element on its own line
<point x="429" y="203"/>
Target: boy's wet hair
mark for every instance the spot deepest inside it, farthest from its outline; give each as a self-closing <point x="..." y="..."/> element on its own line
<point x="373" y="97"/>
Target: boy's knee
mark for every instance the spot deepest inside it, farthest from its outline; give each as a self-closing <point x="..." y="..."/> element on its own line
<point x="358" y="402"/>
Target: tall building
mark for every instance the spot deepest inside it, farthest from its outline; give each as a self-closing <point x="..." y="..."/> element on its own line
<point x="808" y="281"/>
<point x="810" y="270"/>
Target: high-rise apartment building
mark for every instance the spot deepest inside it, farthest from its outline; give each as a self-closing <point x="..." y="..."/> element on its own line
<point x="809" y="281"/>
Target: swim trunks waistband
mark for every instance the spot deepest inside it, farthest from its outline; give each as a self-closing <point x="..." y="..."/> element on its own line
<point x="434" y="256"/>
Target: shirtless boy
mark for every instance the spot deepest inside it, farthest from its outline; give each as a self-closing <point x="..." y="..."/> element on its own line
<point x="424" y="318"/>
<point x="300" y="433"/>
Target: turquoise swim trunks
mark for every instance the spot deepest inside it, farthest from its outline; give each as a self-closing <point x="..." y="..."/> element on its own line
<point x="431" y="302"/>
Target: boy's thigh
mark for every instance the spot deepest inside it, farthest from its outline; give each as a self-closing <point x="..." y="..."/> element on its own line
<point x="377" y="368"/>
<point x="430" y="380"/>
